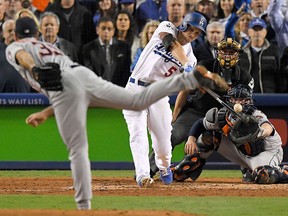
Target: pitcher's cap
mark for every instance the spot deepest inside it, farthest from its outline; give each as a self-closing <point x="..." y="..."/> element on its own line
<point x="25" y="27"/>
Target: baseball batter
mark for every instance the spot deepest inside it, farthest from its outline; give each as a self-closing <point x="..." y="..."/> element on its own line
<point x="71" y="88"/>
<point x="164" y="56"/>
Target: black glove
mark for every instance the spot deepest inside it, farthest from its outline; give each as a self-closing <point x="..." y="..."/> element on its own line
<point x="48" y="76"/>
<point x="245" y="132"/>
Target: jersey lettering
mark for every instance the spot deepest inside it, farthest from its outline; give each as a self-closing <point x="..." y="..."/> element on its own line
<point x="160" y="50"/>
<point x="47" y="49"/>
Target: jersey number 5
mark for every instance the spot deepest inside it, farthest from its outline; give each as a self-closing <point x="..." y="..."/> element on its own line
<point x="170" y="71"/>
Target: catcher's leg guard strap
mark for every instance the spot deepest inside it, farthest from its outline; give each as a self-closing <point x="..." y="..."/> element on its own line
<point x="191" y="167"/>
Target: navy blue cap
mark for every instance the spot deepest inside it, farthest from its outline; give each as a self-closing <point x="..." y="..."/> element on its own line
<point x="257" y="22"/>
<point x="26" y="27"/>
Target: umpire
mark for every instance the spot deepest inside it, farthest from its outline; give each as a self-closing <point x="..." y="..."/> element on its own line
<point x="192" y="105"/>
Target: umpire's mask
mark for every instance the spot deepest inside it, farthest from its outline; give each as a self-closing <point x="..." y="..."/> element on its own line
<point x="227" y="52"/>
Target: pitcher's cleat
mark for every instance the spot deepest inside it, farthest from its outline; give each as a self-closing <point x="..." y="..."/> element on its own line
<point x="84" y="205"/>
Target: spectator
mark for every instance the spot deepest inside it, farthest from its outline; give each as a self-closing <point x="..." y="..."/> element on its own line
<point x="146" y="35"/>
<point x="262" y="60"/>
<point x="27" y="13"/>
<point x="278" y="18"/>
<point x="12" y="6"/>
<point x="3" y="17"/>
<point x="259" y="10"/>
<point x="214" y="34"/>
<point x="10" y="80"/>
<point x="76" y="23"/>
<point x="128" y="5"/>
<point x="176" y="11"/>
<point x="150" y="10"/>
<point x="125" y="29"/>
<point x="108" y="57"/>
<point x="237" y="25"/>
<point x="207" y="7"/>
<point x="49" y="27"/>
<point x="106" y="8"/>
<point x="190" y="5"/>
<point x="225" y="9"/>
<point x="241" y="28"/>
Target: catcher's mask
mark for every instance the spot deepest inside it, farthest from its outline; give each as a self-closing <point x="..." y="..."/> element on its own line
<point x="241" y="94"/>
<point x="227" y="52"/>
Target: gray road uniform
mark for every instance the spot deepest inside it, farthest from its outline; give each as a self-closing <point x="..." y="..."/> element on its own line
<point x="81" y="89"/>
<point x="269" y="153"/>
<point x="259" y="158"/>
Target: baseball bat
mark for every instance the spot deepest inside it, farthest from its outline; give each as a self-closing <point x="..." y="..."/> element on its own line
<point x="241" y="116"/>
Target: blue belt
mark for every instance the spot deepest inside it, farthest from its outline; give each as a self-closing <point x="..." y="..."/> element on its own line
<point x="139" y="82"/>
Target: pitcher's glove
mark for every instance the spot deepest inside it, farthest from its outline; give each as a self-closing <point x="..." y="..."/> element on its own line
<point x="48" y="76"/>
<point x="245" y="132"/>
<point x="210" y="80"/>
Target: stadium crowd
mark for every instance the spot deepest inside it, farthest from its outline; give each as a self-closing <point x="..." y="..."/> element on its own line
<point x="108" y="36"/>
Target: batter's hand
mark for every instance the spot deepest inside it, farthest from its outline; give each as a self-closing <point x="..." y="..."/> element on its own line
<point x="36" y="119"/>
<point x="191" y="146"/>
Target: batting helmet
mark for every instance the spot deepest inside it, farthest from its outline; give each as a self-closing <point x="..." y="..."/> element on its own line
<point x="194" y="19"/>
<point x="226" y="58"/>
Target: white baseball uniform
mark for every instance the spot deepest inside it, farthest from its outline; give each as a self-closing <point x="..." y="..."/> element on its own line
<point x="154" y="64"/>
<point x="81" y="89"/>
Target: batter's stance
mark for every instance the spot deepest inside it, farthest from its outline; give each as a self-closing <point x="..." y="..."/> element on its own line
<point x="71" y="88"/>
<point x="168" y="52"/>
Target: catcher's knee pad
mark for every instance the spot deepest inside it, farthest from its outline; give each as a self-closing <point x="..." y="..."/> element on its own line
<point x="210" y="141"/>
<point x="190" y="167"/>
<point x="267" y="175"/>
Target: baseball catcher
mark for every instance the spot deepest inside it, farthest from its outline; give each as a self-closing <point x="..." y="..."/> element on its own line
<point x="250" y="141"/>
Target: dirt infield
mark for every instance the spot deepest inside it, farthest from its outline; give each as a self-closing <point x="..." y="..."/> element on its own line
<point x="127" y="187"/>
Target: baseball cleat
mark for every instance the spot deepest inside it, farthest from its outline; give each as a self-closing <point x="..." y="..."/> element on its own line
<point x="84" y="205"/>
<point x="166" y="176"/>
<point x="145" y="182"/>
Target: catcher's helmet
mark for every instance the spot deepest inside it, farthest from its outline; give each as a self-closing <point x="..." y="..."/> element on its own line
<point x="227" y="52"/>
<point x="194" y="19"/>
<point x="240" y="92"/>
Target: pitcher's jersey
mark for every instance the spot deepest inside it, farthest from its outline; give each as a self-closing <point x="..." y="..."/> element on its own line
<point x="41" y="52"/>
<point x="155" y="63"/>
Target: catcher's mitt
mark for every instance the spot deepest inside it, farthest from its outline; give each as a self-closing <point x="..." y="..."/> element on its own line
<point x="210" y="80"/>
<point x="245" y="132"/>
<point x="48" y="76"/>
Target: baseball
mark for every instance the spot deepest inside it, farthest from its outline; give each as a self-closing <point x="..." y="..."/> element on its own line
<point x="238" y="107"/>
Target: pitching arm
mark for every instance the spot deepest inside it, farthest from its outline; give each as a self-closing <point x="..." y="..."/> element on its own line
<point x="25" y="60"/>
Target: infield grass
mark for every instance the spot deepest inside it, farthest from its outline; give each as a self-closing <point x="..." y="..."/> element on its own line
<point x="214" y="206"/>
